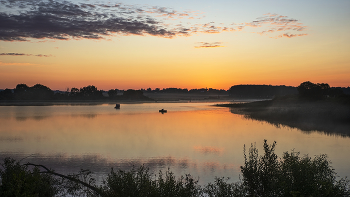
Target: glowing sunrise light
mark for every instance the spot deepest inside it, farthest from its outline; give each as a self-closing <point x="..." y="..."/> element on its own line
<point x="160" y="44"/>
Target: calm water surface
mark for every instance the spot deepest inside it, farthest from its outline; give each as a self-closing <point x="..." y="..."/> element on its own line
<point x="194" y="138"/>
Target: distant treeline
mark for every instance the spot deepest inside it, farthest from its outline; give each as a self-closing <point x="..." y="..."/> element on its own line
<point x="41" y="92"/>
<point x="185" y="90"/>
<point x="260" y="91"/>
<point x="305" y="89"/>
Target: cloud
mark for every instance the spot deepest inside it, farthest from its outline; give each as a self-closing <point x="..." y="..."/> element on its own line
<point x="23" y="54"/>
<point x="23" y="20"/>
<point x="277" y="24"/>
<point x="209" y="45"/>
<point x="293" y="35"/>
<point x="13" y="54"/>
<point x="63" y="20"/>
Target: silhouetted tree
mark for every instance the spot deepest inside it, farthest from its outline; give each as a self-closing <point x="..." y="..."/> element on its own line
<point x="133" y="94"/>
<point x="260" y="91"/>
<point x="91" y="92"/>
<point x="6" y="94"/>
<point x="112" y="93"/>
<point x="313" y="91"/>
<point x="37" y="92"/>
<point x="74" y="92"/>
<point x="20" y="91"/>
<point x="41" y="92"/>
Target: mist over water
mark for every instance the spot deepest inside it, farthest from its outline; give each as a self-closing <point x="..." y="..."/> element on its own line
<point x="194" y="138"/>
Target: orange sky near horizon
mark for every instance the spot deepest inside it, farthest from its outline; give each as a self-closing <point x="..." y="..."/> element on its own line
<point x="261" y="48"/>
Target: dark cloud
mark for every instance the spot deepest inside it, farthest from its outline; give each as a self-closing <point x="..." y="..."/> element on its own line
<point x="65" y="20"/>
<point x="209" y="45"/>
<point x="23" y="54"/>
<point x="22" y="20"/>
<point x="13" y="54"/>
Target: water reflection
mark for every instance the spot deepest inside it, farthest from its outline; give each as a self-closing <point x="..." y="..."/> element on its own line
<point x="306" y="125"/>
<point x="101" y="166"/>
<point x="209" y="149"/>
<point x="191" y="138"/>
<point x="11" y="138"/>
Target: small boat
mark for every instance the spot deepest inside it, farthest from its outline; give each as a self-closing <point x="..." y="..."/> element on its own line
<point x="163" y="111"/>
<point x="117" y="106"/>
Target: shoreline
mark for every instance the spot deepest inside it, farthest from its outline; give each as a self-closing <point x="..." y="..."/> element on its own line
<point x="101" y="102"/>
<point x="328" y="116"/>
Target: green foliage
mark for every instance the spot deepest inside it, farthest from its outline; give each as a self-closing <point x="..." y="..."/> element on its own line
<point x="18" y="180"/>
<point x="292" y="175"/>
<point x="142" y="183"/>
<point x="263" y="175"/>
<point x="260" y="174"/>
<point x="221" y="188"/>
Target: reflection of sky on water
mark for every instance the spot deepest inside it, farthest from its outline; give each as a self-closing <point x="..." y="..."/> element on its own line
<point x="191" y="138"/>
<point x="101" y="166"/>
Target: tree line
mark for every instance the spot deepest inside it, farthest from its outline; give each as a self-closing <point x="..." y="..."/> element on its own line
<point x="90" y="92"/>
<point x="304" y="90"/>
<point x="318" y="91"/>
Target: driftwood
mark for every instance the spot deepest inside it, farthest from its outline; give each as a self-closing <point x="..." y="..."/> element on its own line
<point x="95" y="189"/>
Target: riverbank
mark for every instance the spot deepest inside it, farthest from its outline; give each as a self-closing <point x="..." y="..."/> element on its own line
<point x="69" y="102"/>
<point x="331" y="116"/>
<point x="152" y="97"/>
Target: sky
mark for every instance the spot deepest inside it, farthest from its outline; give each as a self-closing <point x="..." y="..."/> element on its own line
<point x="184" y="44"/>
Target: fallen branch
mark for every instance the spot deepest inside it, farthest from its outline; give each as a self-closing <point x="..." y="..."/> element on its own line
<point x="95" y="189"/>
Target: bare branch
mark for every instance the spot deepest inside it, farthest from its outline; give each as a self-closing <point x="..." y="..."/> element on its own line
<point x="95" y="189"/>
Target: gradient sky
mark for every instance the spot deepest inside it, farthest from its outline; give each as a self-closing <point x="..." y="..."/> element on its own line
<point x="184" y="44"/>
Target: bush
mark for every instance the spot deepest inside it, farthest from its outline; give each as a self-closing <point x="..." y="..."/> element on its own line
<point x="220" y="188"/>
<point x="291" y="175"/>
<point x="142" y="183"/>
<point x="18" y="180"/>
<point x="263" y="175"/>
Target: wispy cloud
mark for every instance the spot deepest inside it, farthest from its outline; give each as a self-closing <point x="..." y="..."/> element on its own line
<point x="208" y="44"/>
<point x="22" y="20"/>
<point x="291" y="35"/>
<point x="277" y="24"/>
<point x="23" y="54"/>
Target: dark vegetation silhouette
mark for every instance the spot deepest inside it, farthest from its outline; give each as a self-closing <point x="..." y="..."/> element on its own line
<point x="36" y="92"/>
<point x="39" y="92"/>
<point x="260" y="91"/>
<point x="263" y="175"/>
<point x="318" y="91"/>
<point x="316" y="107"/>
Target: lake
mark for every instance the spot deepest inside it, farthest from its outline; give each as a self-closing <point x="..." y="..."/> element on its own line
<point x="196" y="138"/>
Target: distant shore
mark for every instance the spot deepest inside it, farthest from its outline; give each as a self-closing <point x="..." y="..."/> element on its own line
<point x="75" y="102"/>
<point x="331" y="116"/>
<point x="153" y="97"/>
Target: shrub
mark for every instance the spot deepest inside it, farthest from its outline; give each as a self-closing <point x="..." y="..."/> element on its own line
<point x="18" y="180"/>
<point x="263" y="175"/>
<point x="291" y="175"/>
<point x="142" y="183"/>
